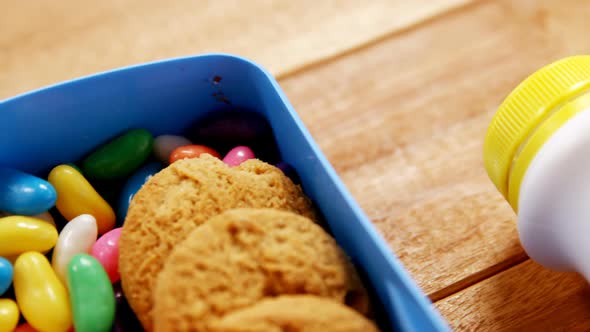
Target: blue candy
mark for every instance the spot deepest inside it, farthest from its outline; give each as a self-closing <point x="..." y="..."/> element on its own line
<point x="133" y="184"/>
<point x="24" y="194"/>
<point x="6" y="273"/>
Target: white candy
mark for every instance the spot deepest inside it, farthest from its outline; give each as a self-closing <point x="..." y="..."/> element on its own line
<point x="165" y="144"/>
<point x="78" y="236"/>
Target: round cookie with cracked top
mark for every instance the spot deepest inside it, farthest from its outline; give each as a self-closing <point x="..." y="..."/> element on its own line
<point x="294" y="313"/>
<point x="242" y="256"/>
<point x="178" y="199"/>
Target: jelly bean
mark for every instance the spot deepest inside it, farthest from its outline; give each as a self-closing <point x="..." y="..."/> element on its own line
<point x="125" y="319"/>
<point x="165" y="144"/>
<point x="288" y="171"/>
<point x="11" y="258"/>
<point x="25" y="327"/>
<point x="231" y="127"/>
<point x="133" y="184"/>
<point x="9" y="315"/>
<point x="5" y="274"/>
<point x="238" y="155"/>
<point x="119" y="157"/>
<point x="106" y="251"/>
<point x="76" y="197"/>
<point x="45" y="216"/>
<point x="91" y="295"/>
<point x="191" y="151"/>
<point x="77" y="236"/>
<point x="20" y="233"/>
<point x="72" y="165"/>
<point x="42" y="298"/>
<point x="22" y="193"/>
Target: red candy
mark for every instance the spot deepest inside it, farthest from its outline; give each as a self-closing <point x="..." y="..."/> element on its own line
<point x="238" y="155"/>
<point x="106" y="251"/>
<point x="191" y="151"/>
<point x="25" y="327"/>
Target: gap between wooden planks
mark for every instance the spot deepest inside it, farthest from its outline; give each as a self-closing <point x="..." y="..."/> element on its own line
<point x="403" y="122"/>
<point x="526" y="297"/>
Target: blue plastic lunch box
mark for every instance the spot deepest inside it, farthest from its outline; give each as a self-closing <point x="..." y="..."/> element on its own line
<point x="63" y="122"/>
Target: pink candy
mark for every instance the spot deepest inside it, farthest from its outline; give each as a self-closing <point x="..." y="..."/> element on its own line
<point x="106" y="251"/>
<point x="238" y="155"/>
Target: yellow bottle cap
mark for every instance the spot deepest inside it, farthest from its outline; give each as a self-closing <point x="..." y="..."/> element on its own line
<point x="523" y="113"/>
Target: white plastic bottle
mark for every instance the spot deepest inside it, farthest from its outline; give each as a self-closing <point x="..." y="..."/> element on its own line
<point x="537" y="153"/>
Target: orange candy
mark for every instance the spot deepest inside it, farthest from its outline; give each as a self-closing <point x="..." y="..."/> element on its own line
<point x="191" y="151"/>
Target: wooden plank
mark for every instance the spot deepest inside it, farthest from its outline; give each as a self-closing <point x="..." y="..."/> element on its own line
<point x="524" y="298"/>
<point x="44" y="42"/>
<point x="403" y="123"/>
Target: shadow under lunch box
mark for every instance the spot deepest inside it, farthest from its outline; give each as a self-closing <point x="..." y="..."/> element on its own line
<point x="64" y="122"/>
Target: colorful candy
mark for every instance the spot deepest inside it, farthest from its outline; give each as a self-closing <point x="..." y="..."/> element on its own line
<point x="25" y="327"/>
<point x="165" y="144"/>
<point x="238" y="155"/>
<point x="289" y="171"/>
<point x="91" y="295"/>
<point x="125" y="319"/>
<point x="77" y="236"/>
<point x="133" y="185"/>
<point x="22" y="193"/>
<point x="45" y="216"/>
<point x="232" y="127"/>
<point x="76" y="196"/>
<point x="106" y="251"/>
<point x="9" y="315"/>
<point x="6" y="273"/>
<point x="82" y="282"/>
<point x="19" y="234"/>
<point x="74" y="166"/>
<point x="191" y="151"/>
<point x="119" y="157"/>
<point x="42" y="298"/>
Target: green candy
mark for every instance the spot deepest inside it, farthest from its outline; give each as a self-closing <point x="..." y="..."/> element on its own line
<point x="91" y="295"/>
<point x="119" y="157"/>
<point x="72" y="165"/>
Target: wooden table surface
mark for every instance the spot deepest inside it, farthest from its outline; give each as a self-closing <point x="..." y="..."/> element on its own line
<point x="398" y="94"/>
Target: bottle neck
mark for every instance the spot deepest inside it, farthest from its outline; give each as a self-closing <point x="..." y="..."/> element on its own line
<point x="555" y="119"/>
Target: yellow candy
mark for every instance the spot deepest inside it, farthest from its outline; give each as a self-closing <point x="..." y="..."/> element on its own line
<point x="42" y="298"/>
<point x="76" y="196"/>
<point x="45" y="216"/>
<point x="19" y="234"/>
<point x="8" y="315"/>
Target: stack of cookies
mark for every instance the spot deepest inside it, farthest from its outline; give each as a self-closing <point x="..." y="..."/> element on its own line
<point x="208" y="247"/>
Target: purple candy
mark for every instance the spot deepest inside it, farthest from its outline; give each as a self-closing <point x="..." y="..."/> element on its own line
<point x="223" y="130"/>
<point x="288" y="171"/>
<point x="125" y="320"/>
<point x="232" y="126"/>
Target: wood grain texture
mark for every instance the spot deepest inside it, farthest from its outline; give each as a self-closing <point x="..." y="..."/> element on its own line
<point x="403" y="123"/>
<point x="398" y="102"/>
<point x="527" y="297"/>
<point x="43" y="42"/>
